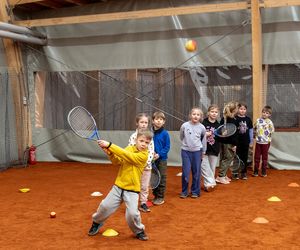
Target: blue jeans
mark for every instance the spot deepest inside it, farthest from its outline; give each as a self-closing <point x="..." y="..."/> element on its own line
<point x="191" y="161"/>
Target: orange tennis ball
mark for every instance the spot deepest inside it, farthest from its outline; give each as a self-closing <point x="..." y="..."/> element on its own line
<point x="52" y="215"/>
<point x="191" y="45"/>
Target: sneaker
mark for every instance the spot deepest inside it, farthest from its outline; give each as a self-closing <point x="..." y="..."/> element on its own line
<point x="222" y="180"/>
<point x="263" y="173"/>
<point x="94" y="229"/>
<point x="144" y="208"/>
<point x="194" y="196"/>
<point x="255" y="173"/>
<point x="142" y="236"/>
<point x="209" y="188"/>
<point x="227" y="178"/>
<point x="158" y="201"/>
<point x="183" y="196"/>
<point x="244" y="176"/>
<point x="235" y="177"/>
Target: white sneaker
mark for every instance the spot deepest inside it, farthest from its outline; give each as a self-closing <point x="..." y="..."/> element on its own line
<point x="227" y="178"/>
<point x="222" y="180"/>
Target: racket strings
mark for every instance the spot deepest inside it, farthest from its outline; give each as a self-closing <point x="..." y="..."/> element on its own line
<point x="82" y="123"/>
<point x="237" y="163"/>
<point x="226" y="130"/>
<point x="154" y="181"/>
<point x="155" y="178"/>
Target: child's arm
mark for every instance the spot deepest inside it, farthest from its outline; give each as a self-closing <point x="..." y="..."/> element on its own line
<point x="203" y="139"/>
<point x="254" y="129"/>
<point x="151" y="152"/>
<point x="166" y="146"/>
<point x="251" y="136"/>
<point x="136" y="158"/>
<point x="272" y="128"/>
<point x="105" y="147"/>
<point x="165" y="150"/>
<point x="181" y="132"/>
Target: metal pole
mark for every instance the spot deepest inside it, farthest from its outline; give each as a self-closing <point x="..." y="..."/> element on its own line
<point x="19" y="29"/>
<point x="23" y="38"/>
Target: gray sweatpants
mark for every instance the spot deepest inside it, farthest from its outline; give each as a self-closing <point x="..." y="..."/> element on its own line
<point x="113" y="201"/>
<point x="208" y="169"/>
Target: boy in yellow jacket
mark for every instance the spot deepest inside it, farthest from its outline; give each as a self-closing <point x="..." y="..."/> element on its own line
<point x="131" y="161"/>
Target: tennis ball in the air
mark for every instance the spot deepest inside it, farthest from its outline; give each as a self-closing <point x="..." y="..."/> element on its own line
<point x="52" y="215"/>
<point x="191" y="45"/>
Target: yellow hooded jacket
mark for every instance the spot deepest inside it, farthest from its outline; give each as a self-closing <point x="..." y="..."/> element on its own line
<point x="132" y="163"/>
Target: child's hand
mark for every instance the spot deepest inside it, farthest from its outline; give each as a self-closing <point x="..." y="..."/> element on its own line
<point x="251" y="145"/>
<point x="208" y="133"/>
<point x="103" y="144"/>
<point x="156" y="156"/>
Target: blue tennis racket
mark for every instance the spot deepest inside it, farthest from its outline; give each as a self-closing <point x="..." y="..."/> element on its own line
<point x="83" y="123"/>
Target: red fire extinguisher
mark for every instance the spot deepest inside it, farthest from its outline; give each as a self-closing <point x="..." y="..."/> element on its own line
<point x="32" y="158"/>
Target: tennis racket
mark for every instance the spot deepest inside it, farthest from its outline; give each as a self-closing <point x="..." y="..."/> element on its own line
<point x="225" y="130"/>
<point x="155" y="177"/>
<point x="237" y="163"/>
<point x="83" y="123"/>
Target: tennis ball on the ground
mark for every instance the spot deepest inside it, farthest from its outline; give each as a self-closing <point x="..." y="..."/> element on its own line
<point x="191" y="45"/>
<point x="52" y="215"/>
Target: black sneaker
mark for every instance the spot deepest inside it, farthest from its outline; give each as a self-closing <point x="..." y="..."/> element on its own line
<point x="255" y="173"/>
<point x="183" y="196"/>
<point x="94" y="229"/>
<point x="142" y="236"/>
<point x="235" y="177"/>
<point x="144" y="208"/>
<point x="244" y="176"/>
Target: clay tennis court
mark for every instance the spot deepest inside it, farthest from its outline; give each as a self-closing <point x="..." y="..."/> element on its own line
<point x="220" y="219"/>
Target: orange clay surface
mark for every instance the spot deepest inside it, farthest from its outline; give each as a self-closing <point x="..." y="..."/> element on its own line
<point x="222" y="219"/>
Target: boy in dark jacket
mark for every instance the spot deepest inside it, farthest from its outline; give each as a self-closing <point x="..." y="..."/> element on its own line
<point x="162" y="147"/>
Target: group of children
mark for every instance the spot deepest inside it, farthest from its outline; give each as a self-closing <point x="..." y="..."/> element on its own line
<point x="200" y="151"/>
<point x="240" y="142"/>
<point x="201" y="148"/>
